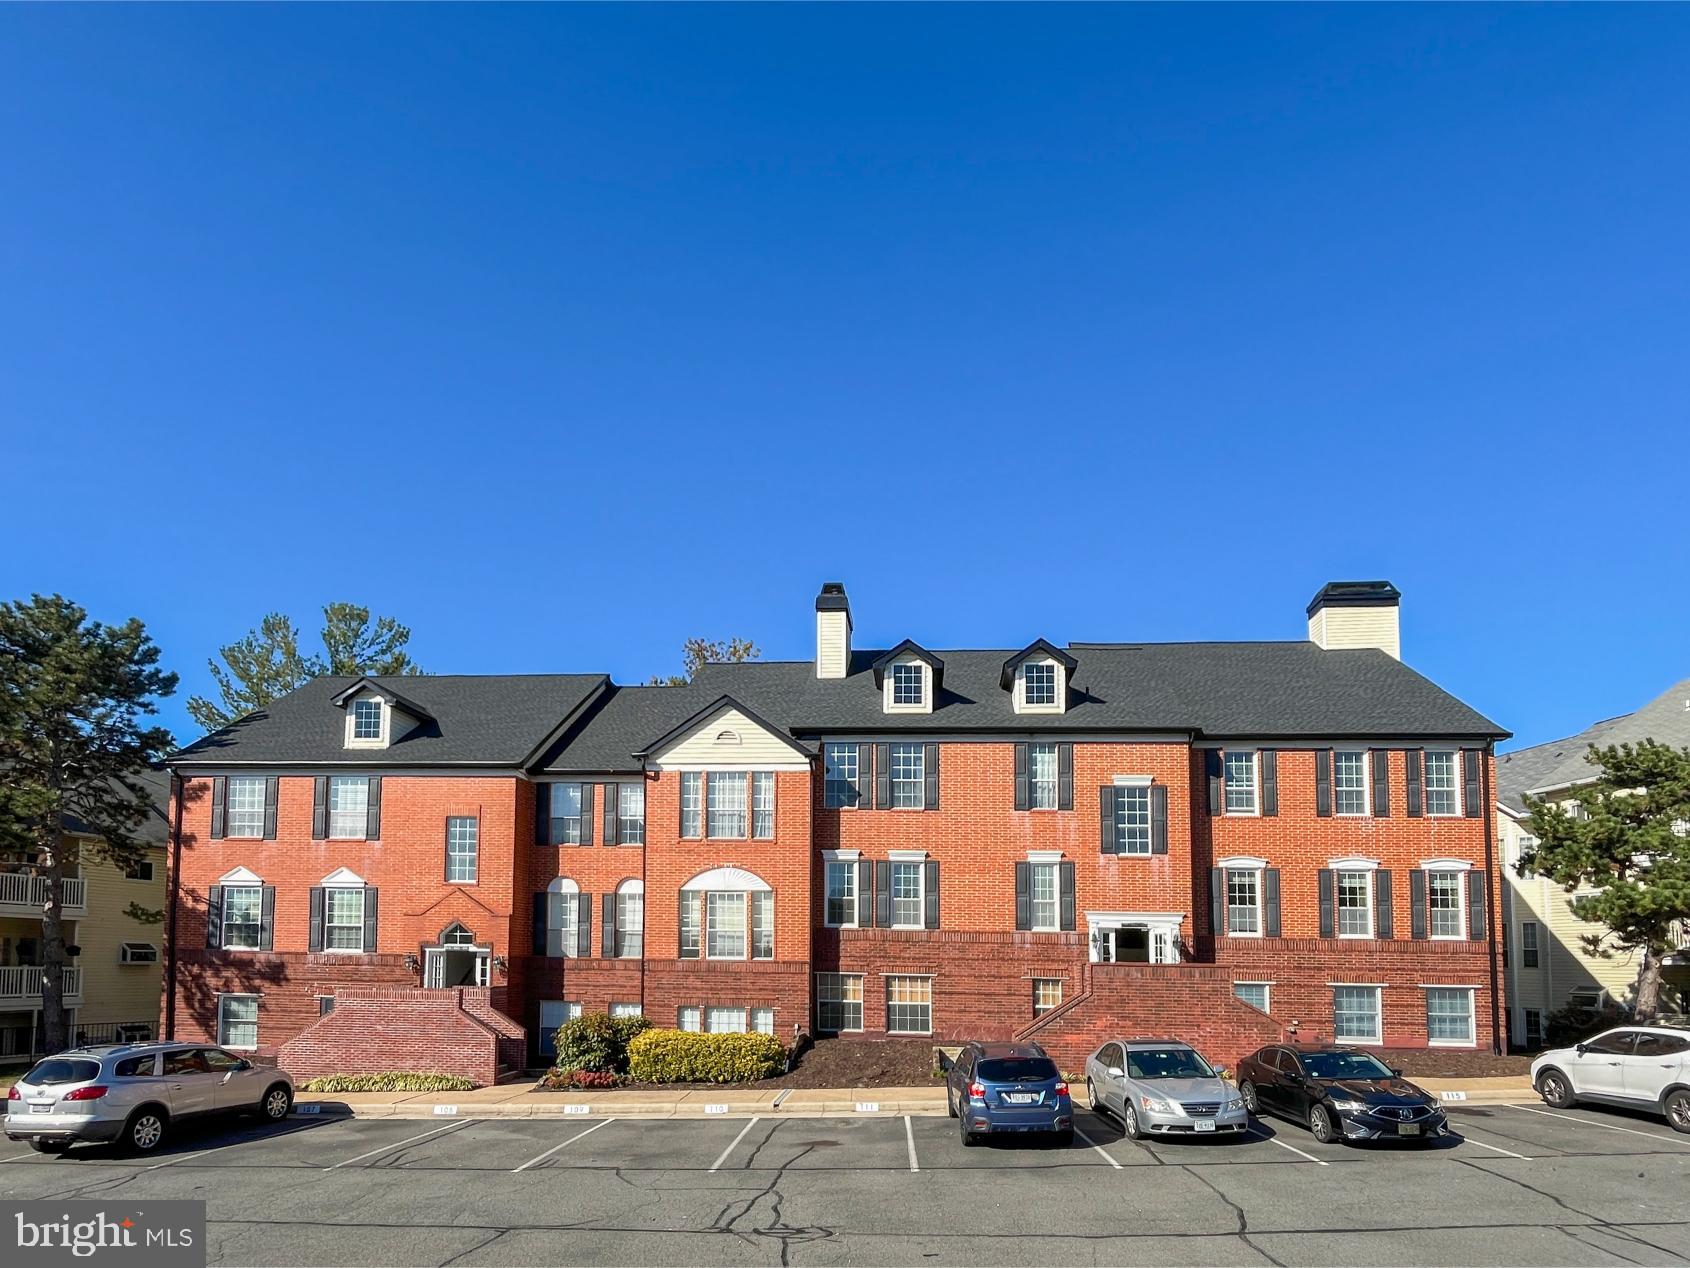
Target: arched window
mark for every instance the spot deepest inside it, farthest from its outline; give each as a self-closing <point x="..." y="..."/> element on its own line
<point x="629" y="930"/>
<point x="455" y="935"/>
<point x="727" y="913"/>
<point x="568" y="918"/>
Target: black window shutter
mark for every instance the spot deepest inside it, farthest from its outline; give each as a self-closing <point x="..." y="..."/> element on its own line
<point x="1323" y="783"/>
<point x="372" y="813"/>
<point x="1067" y="898"/>
<point x="1269" y="759"/>
<point x="865" y="773"/>
<point x="587" y="814"/>
<point x="1411" y="781"/>
<point x="219" y="804"/>
<point x="1022" y="799"/>
<point x="1476" y="906"/>
<point x="1217" y="784"/>
<point x="267" y="918"/>
<point x="1064" y="776"/>
<point x="1158" y="818"/>
<point x="1383" y="927"/>
<point x="930" y="889"/>
<point x="372" y="912"/>
<point x="612" y="809"/>
<point x="1381" y="783"/>
<point x="1270" y="902"/>
<point x="883" y="894"/>
<point x="583" y="925"/>
<point x="1023" y="895"/>
<point x="1471" y="803"/>
<point x="270" y="808"/>
<point x="607" y="925"/>
<point x="1326" y="902"/>
<point x="214" y="917"/>
<point x="315" y="941"/>
<point x="537" y="944"/>
<point x="1106" y="840"/>
<point x="320" y="808"/>
<point x="1217" y="901"/>
<point x="865" y="892"/>
<point x="930" y="768"/>
<point x="542" y="814"/>
<point x="1417" y="903"/>
<point x="882" y="776"/>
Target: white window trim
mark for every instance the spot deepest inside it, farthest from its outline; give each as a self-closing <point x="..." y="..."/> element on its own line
<point x="343" y="878"/>
<point x="1134" y="781"/>
<point x="221" y="1041"/>
<point x="857" y="761"/>
<point x="229" y="832"/>
<point x="124" y="950"/>
<point x="1378" y="1035"/>
<point x="849" y="860"/>
<point x="1166" y="923"/>
<point x="1258" y="866"/>
<point x="357" y="950"/>
<point x="1021" y="704"/>
<point x="926" y="704"/>
<point x="240" y="878"/>
<point x="1255" y="785"/>
<point x="1472" y="1040"/>
<point x="1267" y="993"/>
<point x="1460" y="935"/>
<point x="1044" y="856"/>
<point x="892" y="783"/>
<point x="1446" y="865"/>
<point x="1426" y="784"/>
<point x="861" y="1000"/>
<point x="1366" y="810"/>
<point x="446" y="847"/>
<point x="1368" y="868"/>
<point x="706" y="928"/>
<point x="917" y="859"/>
<point x="1032" y="905"/>
<point x="381" y="740"/>
<point x="928" y="978"/>
<point x="730" y="878"/>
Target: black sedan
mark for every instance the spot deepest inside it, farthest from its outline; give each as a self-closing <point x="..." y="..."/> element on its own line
<point x="1340" y="1093"/>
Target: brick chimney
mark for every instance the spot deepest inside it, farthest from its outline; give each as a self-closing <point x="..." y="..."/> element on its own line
<point x="1356" y="614"/>
<point x="833" y="631"/>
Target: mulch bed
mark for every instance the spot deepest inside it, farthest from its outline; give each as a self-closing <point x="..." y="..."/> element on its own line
<point x="854" y="1063"/>
<point x="1447" y="1063"/>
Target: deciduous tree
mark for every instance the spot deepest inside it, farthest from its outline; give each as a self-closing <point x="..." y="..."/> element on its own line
<point x="698" y="652"/>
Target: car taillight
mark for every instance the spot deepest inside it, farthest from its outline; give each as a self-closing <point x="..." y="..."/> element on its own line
<point x="977" y="1091"/>
<point x="12" y="1093"/>
<point x="1062" y="1088"/>
<point x="91" y="1093"/>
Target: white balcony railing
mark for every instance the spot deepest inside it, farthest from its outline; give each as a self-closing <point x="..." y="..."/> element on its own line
<point x="23" y="982"/>
<point x="20" y="889"/>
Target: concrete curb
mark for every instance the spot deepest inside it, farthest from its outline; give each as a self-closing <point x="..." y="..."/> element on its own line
<point x="610" y="1109"/>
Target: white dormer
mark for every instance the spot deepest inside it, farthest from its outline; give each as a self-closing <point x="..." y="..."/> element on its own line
<point x="909" y="676"/>
<point x="376" y="715"/>
<point x="1038" y="677"/>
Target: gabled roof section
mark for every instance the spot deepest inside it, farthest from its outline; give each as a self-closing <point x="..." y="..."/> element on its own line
<point x="1038" y="647"/>
<point x="903" y="651"/>
<point x="709" y="711"/>
<point x="1560" y="763"/>
<point x="342" y="698"/>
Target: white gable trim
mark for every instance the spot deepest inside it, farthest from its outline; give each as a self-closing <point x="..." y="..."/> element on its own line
<point x="728" y="878"/>
<point x="343" y="878"/>
<point x="240" y="876"/>
<point x="727" y="740"/>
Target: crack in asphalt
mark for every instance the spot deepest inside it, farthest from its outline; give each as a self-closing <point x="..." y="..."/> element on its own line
<point x="1596" y="1221"/>
<point x="777" y="1229"/>
<point x="478" y="1246"/>
<point x="1243" y="1219"/>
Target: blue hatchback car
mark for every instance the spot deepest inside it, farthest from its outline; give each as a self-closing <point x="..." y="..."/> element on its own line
<point x="996" y="1088"/>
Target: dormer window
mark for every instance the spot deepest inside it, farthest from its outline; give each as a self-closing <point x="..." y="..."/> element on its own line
<point x="1040" y="685"/>
<point x="909" y="677"/>
<point x="366" y="719"/>
<point x="909" y="684"/>
<point x="1037" y="677"/>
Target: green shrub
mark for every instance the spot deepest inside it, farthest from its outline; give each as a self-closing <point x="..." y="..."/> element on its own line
<point x="597" y="1043"/>
<point x="678" y="1056"/>
<point x="395" y="1081"/>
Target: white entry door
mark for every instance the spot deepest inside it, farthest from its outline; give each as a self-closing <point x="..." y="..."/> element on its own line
<point x="455" y="966"/>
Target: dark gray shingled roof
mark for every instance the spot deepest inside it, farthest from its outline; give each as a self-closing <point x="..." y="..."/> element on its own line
<point x="1560" y="763"/>
<point x="155" y="828"/>
<point x="479" y="720"/>
<point x="622" y="724"/>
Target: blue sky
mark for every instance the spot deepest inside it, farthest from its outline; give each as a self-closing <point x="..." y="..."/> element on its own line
<point x="563" y="334"/>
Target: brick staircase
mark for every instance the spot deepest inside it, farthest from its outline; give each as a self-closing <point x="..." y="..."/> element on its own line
<point x="377" y="1029"/>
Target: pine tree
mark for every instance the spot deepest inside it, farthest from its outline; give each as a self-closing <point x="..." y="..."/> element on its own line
<point x="698" y="652"/>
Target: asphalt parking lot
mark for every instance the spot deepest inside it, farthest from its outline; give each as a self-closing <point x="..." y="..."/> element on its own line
<point x="1517" y="1185"/>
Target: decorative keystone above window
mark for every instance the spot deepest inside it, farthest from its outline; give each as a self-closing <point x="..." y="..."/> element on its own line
<point x="909" y="677"/>
<point x="1038" y="677"/>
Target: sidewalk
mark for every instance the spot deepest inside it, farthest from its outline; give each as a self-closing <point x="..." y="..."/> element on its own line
<point x="522" y="1100"/>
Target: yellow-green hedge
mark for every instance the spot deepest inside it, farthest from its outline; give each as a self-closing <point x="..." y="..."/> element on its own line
<point x="396" y="1081"/>
<point x="679" y="1056"/>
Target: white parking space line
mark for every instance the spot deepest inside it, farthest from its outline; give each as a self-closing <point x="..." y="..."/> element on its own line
<point x="1275" y="1140"/>
<point x="400" y="1144"/>
<point x="909" y="1135"/>
<point x="1630" y="1131"/>
<point x="542" y="1157"/>
<point x="1102" y="1152"/>
<point x="1495" y="1149"/>
<point x="717" y="1165"/>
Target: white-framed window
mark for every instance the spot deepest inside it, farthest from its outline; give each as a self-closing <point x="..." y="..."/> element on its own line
<point x="725" y="917"/>
<point x="244" y="806"/>
<point x="137" y="953"/>
<point x="840" y="790"/>
<point x="237" y="1021"/>
<point x="1446" y="904"/>
<point x="349" y="807"/>
<point x="630" y="813"/>
<point x="626" y="1008"/>
<point x="1243" y="902"/>
<point x="763" y="805"/>
<point x="689" y="1019"/>
<point x="1442" y="782"/>
<point x="1255" y="994"/>
<point x="1528" y="944"/>
<point x="907" y="895"/>
<point x="243" y="914"/>
<point x="762" y="926"/>
<point x="630" y="920"/>
<point x="692" y="924"/>
<point x="1349" y="782"/>
<point x="458" y="936"/>
<point x="1240" y="778"/>
<point x="343" y="918"/>
<point x="1449" y="1016"/>
<point x="719" y="1020"/>
<point x="366" y="718"/>
<point x="1041" y="775"/>
<point x="763" y="1021"/>
<point x="463" y="848"/>
<point x="839" y="1002"/>
<point x="726" y="790"/>
<point x="841" y="893"/>
<point x="1355" y="903"/>
<point x="1132" y="818"/>
<point x="692" y="803"/>
<point x="566" y="814"/>
<point x="908" y="684"/>
<point x="1047" y="994"/>
<point x="1038" y="682"/>
<point x="1355" y="1014"/>
<point x="1046" y="897"/>
<point x="562" y="917"/>
<point x="142" y="871"/>
<point x="909" y="1005"/>
<point x="909" y="777"/>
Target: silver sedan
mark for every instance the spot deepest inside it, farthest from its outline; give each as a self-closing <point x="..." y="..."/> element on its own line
<point x="1163" y="1088"/>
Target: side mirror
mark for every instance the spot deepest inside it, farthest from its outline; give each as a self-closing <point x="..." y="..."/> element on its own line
<point x="1581" y="1048"/>
<point x="1115" y="1072"/>
<point x="1293" y="1076"/>
<point x="1396" y="1072"/>
<point x="244" y="1065"/>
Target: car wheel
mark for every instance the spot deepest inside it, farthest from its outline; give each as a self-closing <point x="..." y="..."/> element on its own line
<point x="1678" y="1111"/>
<point x="276" y="1103"/>
<point x="1129" y="1120"/>
<point x="968" y="1137"/>
<point x="49" y="1146"/>
<point x="1247" y="1090"/>
<point x="1320" y="1124"/>
<point x="1097" y="1106"/>
<point x="145" y="1130"/>
<point x="1553" y="1087"/>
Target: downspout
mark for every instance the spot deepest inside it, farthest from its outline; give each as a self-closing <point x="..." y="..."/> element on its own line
<point x="175" y="894"/>
<point x="1490" y="902"/>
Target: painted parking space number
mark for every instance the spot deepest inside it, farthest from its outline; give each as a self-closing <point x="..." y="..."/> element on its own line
<point x="447" y="1110"/>
<point x="577" y="1109"/>
<point x="1452" y="1096"/>
<point x="715" y="1109"/>
<point x="868" y="1107"/>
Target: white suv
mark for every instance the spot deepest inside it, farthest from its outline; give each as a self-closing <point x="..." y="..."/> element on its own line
<point x="1643" y="1067"/>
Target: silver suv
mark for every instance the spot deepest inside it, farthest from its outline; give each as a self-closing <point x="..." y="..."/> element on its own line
<point x="134" y="1093"/>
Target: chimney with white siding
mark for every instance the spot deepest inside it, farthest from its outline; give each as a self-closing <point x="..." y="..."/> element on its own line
<point x="833" y="631"/>
<point x="1356" y="614"/>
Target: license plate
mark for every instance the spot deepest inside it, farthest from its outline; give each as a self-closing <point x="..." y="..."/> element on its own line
<point x="1408" y="1129"/>
<point x="40" y="1109"/>
<point x="1021" y="1098"/>
<point x="1203" y="1127"/>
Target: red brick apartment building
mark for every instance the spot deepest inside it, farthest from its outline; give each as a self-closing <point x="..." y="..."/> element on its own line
<point x="1228" y="842"/>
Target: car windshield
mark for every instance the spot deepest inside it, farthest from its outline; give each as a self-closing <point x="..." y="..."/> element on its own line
<point x="62" y="1070"/>
<point x="1167" y="1063"/>
<point x="1344" y="1065"/>
<point x="1015" y="1070"/>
